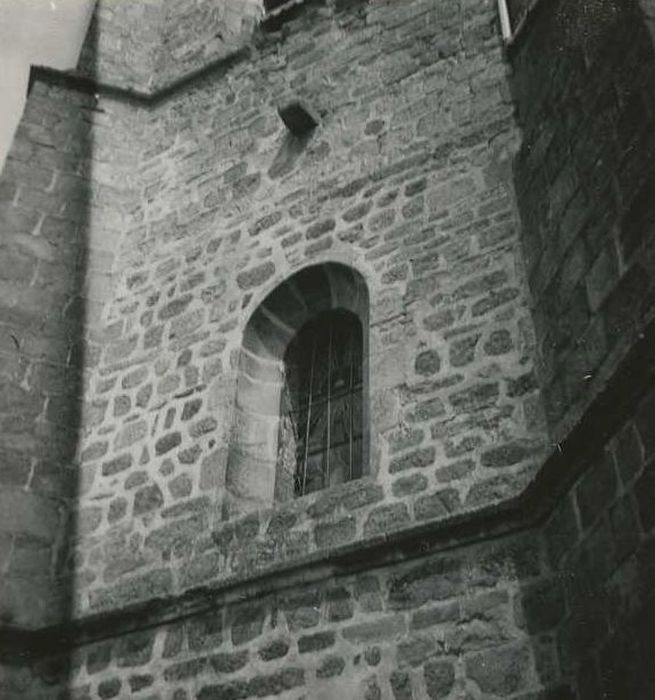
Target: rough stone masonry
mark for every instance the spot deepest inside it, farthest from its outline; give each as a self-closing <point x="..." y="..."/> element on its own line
<point x="496" y="202"/>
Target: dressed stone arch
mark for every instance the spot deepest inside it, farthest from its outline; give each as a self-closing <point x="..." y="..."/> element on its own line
<point x="302" y="382"/>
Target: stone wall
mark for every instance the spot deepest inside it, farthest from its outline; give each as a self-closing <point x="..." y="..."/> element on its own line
<point x="472" y="560"/>
<point x="58" y="211"/>
<point x="600" y="541"/>
<point x="564" y="608"/>
<point x="451" y="625"/>
<point x="406" y="180"/>
<point x="584" y="180"/>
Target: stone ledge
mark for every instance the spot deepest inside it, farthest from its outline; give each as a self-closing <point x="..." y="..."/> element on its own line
<point x="523" y="512"/>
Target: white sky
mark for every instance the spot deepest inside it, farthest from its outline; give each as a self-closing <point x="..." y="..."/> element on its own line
<point x="35" y="32"/>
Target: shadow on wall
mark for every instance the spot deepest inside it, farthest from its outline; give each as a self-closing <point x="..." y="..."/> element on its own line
<point x="44" y="224"/>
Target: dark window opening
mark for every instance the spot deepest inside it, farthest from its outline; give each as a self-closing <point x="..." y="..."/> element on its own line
<point x="321" y="436"/>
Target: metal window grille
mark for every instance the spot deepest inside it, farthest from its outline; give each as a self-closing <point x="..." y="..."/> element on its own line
<point x="322" y="401"/>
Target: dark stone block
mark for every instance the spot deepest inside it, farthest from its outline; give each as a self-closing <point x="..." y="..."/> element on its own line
<point x="437" y="505"/>
<point x="116" y="465"/>
<point x="417" y="650"/>
<point x="462" y="352"/>
<point x="274" y="650"/>
<point x="623" y="306"/>
<point x="205" y="632"/>
<point x="541" y="606"/>
<point x="645" y="423"/>
<point x="372" y="689"/>
<point x="374" y="127"/>
<point x="596" y="490"/>
<point x="173" y="641"/>
<point x="473" y="399"/>
<point x="359" y="211"/>
<point x="386" y="519"/>
<point x="247" y="624"/>
<point x="455" y="470"/>
<point x="109" y="688"/>
<point x="315" y="642"/>
<point x="152" y="337"/>
<point x="408" y="485"/>
<point x="361" y="493"/>
<point x="499" y="342"/>
<point x="256" y="276"/>
<point x="117" y="509"/>
<point x="229" y="662"/>
<point x="426" y="410"/>
<point x="645" y="495"/>
<point x="441" y="319"/>
<point x="302" y="611"/>
<point x="329" y="535"/>
<point x="246" y="185"/>
<point x="175" y="307"/>
<point x="418" y="459"/>
<point x="276" y="683"/>
<point x="167" y="443"/>
<point x="562" y="532"/>
<point x="235" y="690"/>
<point x="628" y="453"/>
<point x="401" y="685"/>
<point x="98" y="657"/>
<point x="427" y="363"/>
<point x="521" y="385"/>
<point x="378" y="629"/>
<point x="94" y="451"/>
<point x="448" y="612"/>
<point x="625" y="530"/>
<point x="280" y="524"/>
<point x="493" y="301"/>
<point x="495" y="489"/>
<point x="439" y="678"/>
<point x="330" y="667"/>
<point x="437" y="579"/>
<point x="147" y="498"/>
<point x="372" y="656"/>
<point x="135" y="479"/>
<point x="185" y="670"/>
<point x="143" y="395"/>
<point x="639" y="221"/>
<point x="500" y="671"/>
<point x="202" y="427"/>
<point x="266" y="222"/>
<point x="320" y="228"/>
<point x="135" y="649"/>
<point x="508" y="455"/>
<point x="176" y="536"/>
<point x="339" y="605"/>
<point x="140" y="682"/>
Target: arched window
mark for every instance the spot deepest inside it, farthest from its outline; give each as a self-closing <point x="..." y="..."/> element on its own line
<point x="320" y="442"/>
<point x="300" y="415"/>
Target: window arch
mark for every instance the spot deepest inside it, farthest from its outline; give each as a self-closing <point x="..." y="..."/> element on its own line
<point x="300" y="415"/>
